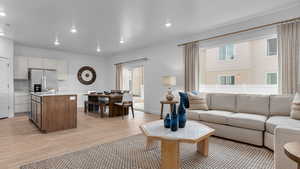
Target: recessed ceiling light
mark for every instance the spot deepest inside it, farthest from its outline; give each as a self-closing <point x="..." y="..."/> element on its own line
<point x="73" y="30"/>
<point x="98" y="49"/>
<point x="122" y="40"/>
<point x="168" y="24"/>
<point x="2" y="34"/>
<point x="56" y="42"/>
<point x="2" y="14"/>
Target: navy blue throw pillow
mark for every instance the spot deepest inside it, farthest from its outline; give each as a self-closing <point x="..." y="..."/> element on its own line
<point x="184" y="100"/>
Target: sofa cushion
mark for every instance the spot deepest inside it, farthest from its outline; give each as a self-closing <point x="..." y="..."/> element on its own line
<point x="222" y="101"/>
<point x="248" y="121"/>
<point x="295" y="113"/>
<point x="215" y="116"/>
<point x="276" y="121"/>
<point x="280" y="105"/>
<point x="194" y="114"/>
<point x="197" y="102"/>
<point x="253" y="104"/>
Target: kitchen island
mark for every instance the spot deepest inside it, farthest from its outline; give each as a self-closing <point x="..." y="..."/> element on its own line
<point x="53" y="111"/>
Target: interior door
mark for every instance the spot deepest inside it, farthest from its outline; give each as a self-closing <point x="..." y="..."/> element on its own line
<point x="4" y="87"/>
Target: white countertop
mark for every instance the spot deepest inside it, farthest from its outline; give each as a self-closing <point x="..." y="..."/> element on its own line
<point x="52" y="93"/>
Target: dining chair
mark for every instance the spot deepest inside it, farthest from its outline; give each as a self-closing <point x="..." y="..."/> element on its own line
<point x="127" y="101"/>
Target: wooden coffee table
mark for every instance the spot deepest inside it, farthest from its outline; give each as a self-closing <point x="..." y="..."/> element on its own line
<point x="194" y="132"/>
<point x="292" y="150"/>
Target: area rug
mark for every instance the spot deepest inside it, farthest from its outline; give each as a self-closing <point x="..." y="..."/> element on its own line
<point x="130" y="153"/>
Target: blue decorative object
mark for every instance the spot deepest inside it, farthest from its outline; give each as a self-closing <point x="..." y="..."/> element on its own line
<point x="195" y="92"/>
<point x="174" y="120"/>
<point x="181" y="116"/>
<point x="184" y="100"/>
<point x="167" y="121"/>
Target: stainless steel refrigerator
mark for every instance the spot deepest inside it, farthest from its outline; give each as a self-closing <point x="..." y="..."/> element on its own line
<point x="47" y="78"/>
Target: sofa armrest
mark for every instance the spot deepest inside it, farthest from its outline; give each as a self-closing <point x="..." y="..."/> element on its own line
<point x="283" y="135"/>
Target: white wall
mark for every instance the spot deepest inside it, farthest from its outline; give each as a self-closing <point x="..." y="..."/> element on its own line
<point x="7" y="51"/>
<point x="75" y="62"/>
<point x="163" y="60"/>
<point x="167" y="59"/>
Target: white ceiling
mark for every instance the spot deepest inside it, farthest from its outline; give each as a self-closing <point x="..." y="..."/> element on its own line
<point x="140" y="22"/>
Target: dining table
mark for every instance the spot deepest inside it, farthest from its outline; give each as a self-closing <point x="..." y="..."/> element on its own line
<point x="112" y="98"/>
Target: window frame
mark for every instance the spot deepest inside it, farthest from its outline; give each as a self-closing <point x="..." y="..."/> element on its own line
<point x="226" y="76"/>
<point x="266" y="78"/>
<point x="267" y="49"/>
<point x="226" y="57"/>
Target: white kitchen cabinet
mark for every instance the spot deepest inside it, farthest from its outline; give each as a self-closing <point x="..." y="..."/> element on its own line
<point x="49" y="63"/>
<point x="21" y="67"/>
<point x="22" y="102"/>
<point x="35" y="62"/>
<point x="62" y="70"/>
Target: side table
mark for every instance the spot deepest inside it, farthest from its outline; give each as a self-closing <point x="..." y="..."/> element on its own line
<point x="162" y="103"/>
<point x="292" y="150"/>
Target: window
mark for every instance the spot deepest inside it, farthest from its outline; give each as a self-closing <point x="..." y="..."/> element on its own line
<point x="226" y="80"/>
<point x="271" y="78"/>
<point x="240" y="66"/>
<point x="226" y="52"/>
<point x="272" y="47"/>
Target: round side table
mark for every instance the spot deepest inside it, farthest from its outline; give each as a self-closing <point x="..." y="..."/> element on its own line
<point x="292" y="150"/>
<point x="162" y="103"/>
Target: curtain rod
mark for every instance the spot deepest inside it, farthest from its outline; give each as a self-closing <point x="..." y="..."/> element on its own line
<point x="131" y="61"/>
<point x="241" y="31"/>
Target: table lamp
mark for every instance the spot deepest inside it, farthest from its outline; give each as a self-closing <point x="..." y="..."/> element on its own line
<point x="169" y="81"/>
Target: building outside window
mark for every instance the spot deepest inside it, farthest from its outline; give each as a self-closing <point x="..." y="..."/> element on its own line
<point x="272" y="47"/>
<point x="226" y="52"/>
<point x="251" y="72"/>
<point x="226" y="80"/>
<point x="271" y="78"/>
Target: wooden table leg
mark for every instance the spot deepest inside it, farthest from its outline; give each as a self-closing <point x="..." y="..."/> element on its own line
<point x="161" y="111"/>
<point x="202" y="147"/>
<point x="298" y="165"/>
<point x="101" y="107"/>
<point x="170" y="154"/>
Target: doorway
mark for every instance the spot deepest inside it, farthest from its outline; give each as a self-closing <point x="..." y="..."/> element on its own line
<point x="134" y="82"/>
<point x="4" y="87"/>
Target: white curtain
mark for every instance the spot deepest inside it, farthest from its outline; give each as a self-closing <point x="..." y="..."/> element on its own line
<point x="191" y="57"/>
<point x="288" y="55"/>
<point x="119" y="77"/>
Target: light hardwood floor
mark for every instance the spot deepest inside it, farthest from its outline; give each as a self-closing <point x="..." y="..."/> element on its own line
<point x="21" y="142"/>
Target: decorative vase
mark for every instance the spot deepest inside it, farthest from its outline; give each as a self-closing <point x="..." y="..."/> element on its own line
<point x="174" y="120"/>
<point x="170" y="95"/>
<point x="181" y="116"/>
<point x="167" y="121"/>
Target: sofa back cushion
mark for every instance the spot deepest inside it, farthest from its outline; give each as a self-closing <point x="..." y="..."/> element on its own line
<point x="253" y="104"/>
<point x="295" y="113"/>
<point x="222" y="101"/>
<point x="280" y="105"/>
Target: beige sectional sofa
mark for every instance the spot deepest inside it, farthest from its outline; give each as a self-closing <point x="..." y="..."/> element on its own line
<point x="261" y="120"/>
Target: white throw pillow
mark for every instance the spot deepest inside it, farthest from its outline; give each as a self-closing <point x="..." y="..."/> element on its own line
<point x="197" y="102"/>
<point x="295" y="113"/>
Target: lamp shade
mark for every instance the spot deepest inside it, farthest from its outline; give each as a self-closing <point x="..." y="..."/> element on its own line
<point x="168" y="81"/>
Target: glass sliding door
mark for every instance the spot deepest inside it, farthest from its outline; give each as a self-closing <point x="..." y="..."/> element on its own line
<point x="134" y="82"/>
